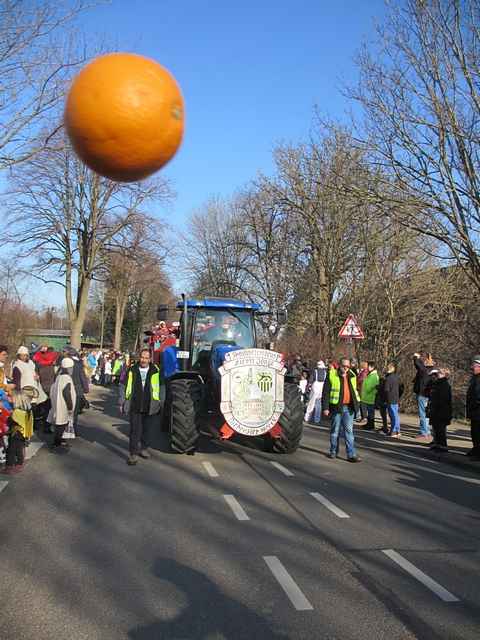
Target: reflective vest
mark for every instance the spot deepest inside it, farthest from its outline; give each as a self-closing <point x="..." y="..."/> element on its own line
<point x="154" y="385"/>
<point x="335" y="383"/>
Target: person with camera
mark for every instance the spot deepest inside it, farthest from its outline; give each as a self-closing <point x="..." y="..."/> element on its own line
<point x="423" y="365"/>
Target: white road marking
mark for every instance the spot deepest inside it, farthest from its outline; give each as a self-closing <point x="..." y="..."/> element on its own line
<point x="400" y="453"/>
<point x="236" y="507"/>
<point x="280" y="467"/>
<point x="446" y="475"/>
<point x="32" y="449"/>
<point x="326" y="503"/>
<point x="285" y="580"/>
<point x="428" y="582"/>
<point x="210" y="469"/>
<point x="3" y="484"/>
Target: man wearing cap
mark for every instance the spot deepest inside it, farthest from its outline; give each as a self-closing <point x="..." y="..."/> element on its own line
<point x="316" y="380"/>
<point x="473" y="408"/>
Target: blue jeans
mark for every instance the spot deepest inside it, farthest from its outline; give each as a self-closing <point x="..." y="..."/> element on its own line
<point x="369" y="412"/>
<point x="422" y="408"/>
<point x="394" y="417"/>
<point x="342" y="418"/>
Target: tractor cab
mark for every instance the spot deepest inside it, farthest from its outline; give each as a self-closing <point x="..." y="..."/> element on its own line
<point x="217" y="331"/>
<point x="208" y="329"/>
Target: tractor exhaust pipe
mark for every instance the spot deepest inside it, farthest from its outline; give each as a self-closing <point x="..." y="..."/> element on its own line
<point x="184" y="345"/>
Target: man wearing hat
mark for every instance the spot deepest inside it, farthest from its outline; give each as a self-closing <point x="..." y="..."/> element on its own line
<point x="63" y="399"/>
<point x="316" y="380"/>
<point x="473" y="408"/>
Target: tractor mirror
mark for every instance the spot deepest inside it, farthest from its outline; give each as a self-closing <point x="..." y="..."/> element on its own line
<point x="282" y="316"/>
<point x="162" y="312"/>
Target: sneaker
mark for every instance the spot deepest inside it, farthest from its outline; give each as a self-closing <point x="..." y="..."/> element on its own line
<point x="145" y="454"/>
<point x="354" y="459"/>
<point x="332" y="456"/>
<point x="395" y="435"/>
<point x="132" y="459"/>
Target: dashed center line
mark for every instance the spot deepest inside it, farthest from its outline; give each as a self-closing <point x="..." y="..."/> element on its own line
<point x="236" y="507"/>
<point x="428" y="582"/>
<point x="288" y="584"/>
<point x="282" y="469"/>
<point x="210" y="469"/>
<point x="329" y="505"/>
<point x="3" y="485"/>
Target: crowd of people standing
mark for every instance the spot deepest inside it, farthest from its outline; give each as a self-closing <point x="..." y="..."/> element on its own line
<point x="46" y="391"/>
<point x="349" y="393"/>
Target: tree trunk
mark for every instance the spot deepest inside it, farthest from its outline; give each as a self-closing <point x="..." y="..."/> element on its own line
<point x="119" y="317"/>
<point x="77" y="322"/>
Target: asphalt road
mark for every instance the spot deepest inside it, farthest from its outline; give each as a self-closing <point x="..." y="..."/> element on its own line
<point x="228" y="545"/>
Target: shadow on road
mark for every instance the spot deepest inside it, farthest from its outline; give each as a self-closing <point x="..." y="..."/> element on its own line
<point x="208" y="612"/>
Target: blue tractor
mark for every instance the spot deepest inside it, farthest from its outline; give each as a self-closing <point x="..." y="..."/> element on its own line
<point x="211" y="332"/>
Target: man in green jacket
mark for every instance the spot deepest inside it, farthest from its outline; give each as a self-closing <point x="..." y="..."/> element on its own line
<point x="369" y="394"/>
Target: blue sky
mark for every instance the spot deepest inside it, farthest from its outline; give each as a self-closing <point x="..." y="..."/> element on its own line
<point x="250" y="71"/>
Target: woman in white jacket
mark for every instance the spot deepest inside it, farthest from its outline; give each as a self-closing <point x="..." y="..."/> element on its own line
<point x="63" y="398"/>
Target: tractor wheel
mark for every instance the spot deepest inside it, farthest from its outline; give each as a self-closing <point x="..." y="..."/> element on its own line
<point x="291" y="421"/>
<point x="184" y="407"/>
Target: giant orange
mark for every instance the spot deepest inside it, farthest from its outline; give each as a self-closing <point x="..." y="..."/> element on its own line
<point x="124" y="115"/>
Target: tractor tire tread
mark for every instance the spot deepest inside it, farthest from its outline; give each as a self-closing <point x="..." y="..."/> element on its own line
<point x="185" y="398"/>
<point x="291" y="421"/>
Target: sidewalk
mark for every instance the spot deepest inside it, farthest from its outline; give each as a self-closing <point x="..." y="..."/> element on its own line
<point x="458" y="438"/>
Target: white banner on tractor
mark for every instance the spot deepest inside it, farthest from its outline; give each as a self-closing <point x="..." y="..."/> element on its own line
<point x="252" y="390"/>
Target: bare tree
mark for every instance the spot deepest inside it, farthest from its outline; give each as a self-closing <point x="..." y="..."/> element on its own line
<point x="139" y="255"/>
<point x="38" y="52"/>
<point x="420" y="94"/>
<point x="65" y="218"/>
<point x="212" y="253"/>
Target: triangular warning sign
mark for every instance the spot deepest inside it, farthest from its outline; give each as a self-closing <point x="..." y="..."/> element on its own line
<point x="351" y="329"/>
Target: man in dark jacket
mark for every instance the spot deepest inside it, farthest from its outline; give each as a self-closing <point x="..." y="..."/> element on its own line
<point x="423" y="366"/>
<point x="340" y="400"/>
<point x="392" y="392"/>
<point x="439" y="408"/>
<point x="473" y="408"/>
<point x="141" y="402"/>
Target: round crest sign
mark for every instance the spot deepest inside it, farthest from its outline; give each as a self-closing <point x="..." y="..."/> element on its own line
<point x="252" y="383"/>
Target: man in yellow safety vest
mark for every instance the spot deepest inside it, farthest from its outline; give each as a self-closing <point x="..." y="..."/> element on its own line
<point x="141" y="403"/>
<point x="340" y="400"/>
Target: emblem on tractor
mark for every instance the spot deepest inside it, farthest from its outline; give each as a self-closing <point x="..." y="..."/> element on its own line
<point x="252" y="390"/>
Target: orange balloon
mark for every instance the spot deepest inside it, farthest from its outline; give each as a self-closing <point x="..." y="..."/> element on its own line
<point x="124" y="115"/>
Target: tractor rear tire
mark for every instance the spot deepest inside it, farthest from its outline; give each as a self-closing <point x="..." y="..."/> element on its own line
<point x="291" y="421"/>
<point x="185" y="397"/>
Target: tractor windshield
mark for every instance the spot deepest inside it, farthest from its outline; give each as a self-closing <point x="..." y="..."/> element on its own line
<point x="221" y="326"/>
